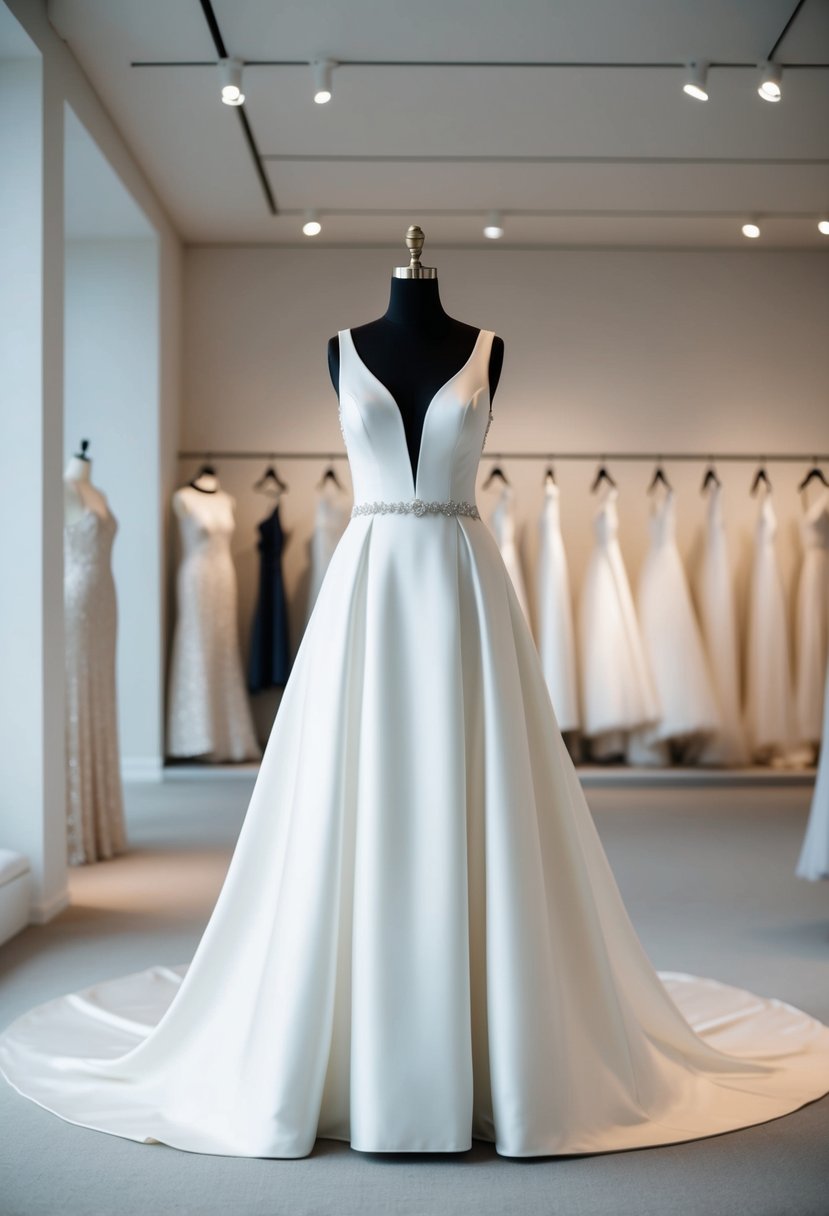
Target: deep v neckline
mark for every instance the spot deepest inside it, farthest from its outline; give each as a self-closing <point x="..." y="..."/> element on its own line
<point x="414" y="474"/>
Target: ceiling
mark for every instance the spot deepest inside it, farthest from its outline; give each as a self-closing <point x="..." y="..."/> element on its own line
<point x="571" y="155"/>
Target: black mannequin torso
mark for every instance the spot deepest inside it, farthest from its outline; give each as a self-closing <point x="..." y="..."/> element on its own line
<point x="414" y="350"/>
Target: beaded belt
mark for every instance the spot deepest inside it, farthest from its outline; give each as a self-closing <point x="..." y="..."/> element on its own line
<point x="416" y="506"/>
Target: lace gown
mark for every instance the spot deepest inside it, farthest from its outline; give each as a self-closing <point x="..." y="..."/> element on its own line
<point x="419" y="939"/>
<point x="208" y="713"/>
<point x="95" y="810"/>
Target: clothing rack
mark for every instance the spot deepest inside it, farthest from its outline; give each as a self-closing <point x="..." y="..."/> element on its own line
<point x="541" y="454"/>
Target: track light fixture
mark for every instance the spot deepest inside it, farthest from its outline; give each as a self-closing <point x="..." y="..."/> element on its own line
<point x="696" y="83"/>
<point x="823" y="226"/>
<point x="494" y="226"/>
<point x="770" y="80"/>
<point x="231" y="75"/>
<point x="312" y="226"/>
<point x="323" y="70"/>
<point x="751" y="230"/>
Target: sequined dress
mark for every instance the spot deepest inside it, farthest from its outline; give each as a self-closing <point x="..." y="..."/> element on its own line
<point x="94" y="803"/>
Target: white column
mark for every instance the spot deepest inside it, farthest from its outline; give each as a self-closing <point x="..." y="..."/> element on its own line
<point x="32" y="779"/>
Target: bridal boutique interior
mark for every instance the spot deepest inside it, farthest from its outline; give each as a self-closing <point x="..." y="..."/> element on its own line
<point x="635" y="197"/>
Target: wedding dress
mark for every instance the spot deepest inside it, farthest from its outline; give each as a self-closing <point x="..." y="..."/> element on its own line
<point x="617" y="690"/>
<point x="329" y="524"/>
<point x="556" y="645"/>
<point x="813" y="862"/>
<point x="269" y="660"/>
<point x="812" y="621"/>
<point x="208" y="713"/>
<point x="502" y="523"/>
<point x="94" y="801"/>
<point x="419" y="939"/>
<point x="718" y="621"/>
<point x="674" y="650"/>
<point x="769" y="708"/>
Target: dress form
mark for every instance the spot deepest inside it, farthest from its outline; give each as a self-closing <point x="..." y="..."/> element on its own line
<point x="415" y="347"/>
<point x="80" y="494"/>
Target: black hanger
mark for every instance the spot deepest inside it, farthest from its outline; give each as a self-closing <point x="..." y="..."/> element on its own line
<point x="550" y="472"/>
<point x="815" y="474"/>
<point x="709" y="477"/>
<point x="330" y="474"/>
<point x="270" y="482"/>
<point x="602" y="475"/>
<point x="81" y="455"/>
<point x="659" y="478"/>
<point x="206" y="470"/>
<point x="496" y="471"/>
<point x="761" y="476"/>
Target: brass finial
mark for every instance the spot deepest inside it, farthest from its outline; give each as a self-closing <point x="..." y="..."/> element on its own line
<point x="414" y="244"/>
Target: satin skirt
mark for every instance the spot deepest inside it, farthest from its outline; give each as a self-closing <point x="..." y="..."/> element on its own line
<point x="419" y="940"/>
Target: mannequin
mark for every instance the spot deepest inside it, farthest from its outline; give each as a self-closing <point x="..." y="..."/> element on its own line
<point x="415" y="347"/>
<point x="79" y="494"/>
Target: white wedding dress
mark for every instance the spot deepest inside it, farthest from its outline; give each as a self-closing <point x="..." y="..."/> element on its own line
<point x="419" y="939"/>
<point x="556" y="644"/>
<point x="330" y="519"/>
<point x="502" y="523"/>
<point x="812" y="636"/>
<point x="716" y="605"/>
<point x="617" y="690"/>
<point x="208" y="712"/>
<point x="674" y="649"/>
<point x="813" y="862"/>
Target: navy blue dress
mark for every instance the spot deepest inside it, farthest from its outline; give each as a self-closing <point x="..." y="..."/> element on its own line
<point x="269" y="664"/>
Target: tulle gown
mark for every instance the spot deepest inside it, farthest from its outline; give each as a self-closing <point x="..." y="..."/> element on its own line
<point x="419" y="939"/>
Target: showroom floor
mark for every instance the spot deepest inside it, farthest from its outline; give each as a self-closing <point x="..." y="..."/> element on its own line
<point x="708" y="878"/>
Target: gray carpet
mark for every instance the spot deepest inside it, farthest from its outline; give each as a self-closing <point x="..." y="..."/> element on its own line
<point x="708" y="877"/>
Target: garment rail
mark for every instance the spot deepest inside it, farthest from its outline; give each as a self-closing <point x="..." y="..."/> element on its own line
<point x="544" y="454"/>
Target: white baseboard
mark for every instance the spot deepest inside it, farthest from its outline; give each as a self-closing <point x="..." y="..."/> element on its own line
<point x="141" y="768"/>
<point x="42" y="913"/>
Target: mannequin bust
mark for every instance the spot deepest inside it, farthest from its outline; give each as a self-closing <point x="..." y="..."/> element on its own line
<point x="414" y="349"/>
<point x="79" y="494"/>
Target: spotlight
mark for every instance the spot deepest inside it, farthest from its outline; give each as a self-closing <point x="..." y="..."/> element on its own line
<point x="494" y="226"/>
<point x="823" y="227"/>
<point x="323" y="70"/>
<point x="231" y="74"/>
<point x="696" y="84"/>
<point x="312" y="226"/>
<point x="751" y="230"/>
<point x="769" y="87"/>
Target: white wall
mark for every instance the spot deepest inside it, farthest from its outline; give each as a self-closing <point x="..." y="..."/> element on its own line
<point x="111" y="387"/>
<point x="606" y="350"/>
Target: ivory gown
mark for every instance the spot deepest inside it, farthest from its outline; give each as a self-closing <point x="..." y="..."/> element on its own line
<point x="554" y="613"/>
<point x="419" y="939"/>
<point x="812" y="635"/>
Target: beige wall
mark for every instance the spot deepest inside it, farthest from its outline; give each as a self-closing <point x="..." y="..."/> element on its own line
<point x="606" y="350"/>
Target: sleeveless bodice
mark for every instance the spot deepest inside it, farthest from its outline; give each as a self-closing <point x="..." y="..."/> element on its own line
<point x="662" y="521"/>
<point x="814" y="528"/>
<point x="451" y="443"/>
<point x="606" y="519"/>
<point x="208" y="525"/>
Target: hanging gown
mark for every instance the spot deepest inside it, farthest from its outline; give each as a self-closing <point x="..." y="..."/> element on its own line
<point x="812" y="636"/>
<point x="419" y="939"/>
<point x="556" y="645"/>
<point x="674" y="650"/>
<point x="769" y="710"/>
<point x="269" y="660"/>
<point x="502" y="523"/>
<point x="718" y="621"/>
<point x="617" y="690"/>
<point x="329" y="524"/>
<point x="813" y="862"/>
<point x="94" y="806"/>
<point x="208" y="712"/>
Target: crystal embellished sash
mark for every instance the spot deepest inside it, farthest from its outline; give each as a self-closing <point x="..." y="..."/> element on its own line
<point x="416" y="506"/>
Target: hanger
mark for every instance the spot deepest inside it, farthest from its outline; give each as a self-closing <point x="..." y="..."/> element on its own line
<point x="330" y="474"/>
<point x="659" y="478"/>
<point x="602" y="475"/>
<point x="81" y="455"/>
<point x="815" y="474"/>
<point x="270" y="482"/>
<point x="550" y="472"/>
<point x="760" y="477"/>
<point x="709" y="477"/>
<point x="496" y="471"/>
